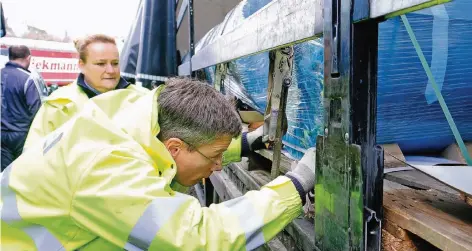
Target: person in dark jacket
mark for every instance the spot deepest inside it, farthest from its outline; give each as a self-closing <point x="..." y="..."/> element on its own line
<point x="21" y="98"/>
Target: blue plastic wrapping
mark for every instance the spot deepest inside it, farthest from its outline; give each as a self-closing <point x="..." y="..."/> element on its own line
<point x="408" y="112"/>
<point x="250" y="7"/>
<point x="305" y="98"/>
<point x="210" y="74"/>
<point x="247" y="79"/>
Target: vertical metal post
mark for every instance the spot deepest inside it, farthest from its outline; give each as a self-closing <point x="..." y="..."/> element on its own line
<point x="191" y="35"/>
<point x="349" y="166"/>
<point x="363" y="95"/>
<point x="280" y="79"/>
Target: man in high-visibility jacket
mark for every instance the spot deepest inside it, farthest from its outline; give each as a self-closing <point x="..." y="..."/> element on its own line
<point x="102" y="181"/>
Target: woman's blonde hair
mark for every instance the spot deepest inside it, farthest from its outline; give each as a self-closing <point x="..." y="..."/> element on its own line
<point x="82" y="44"/>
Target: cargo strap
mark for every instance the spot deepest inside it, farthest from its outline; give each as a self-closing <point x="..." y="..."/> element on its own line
<point x="444" y="107"/>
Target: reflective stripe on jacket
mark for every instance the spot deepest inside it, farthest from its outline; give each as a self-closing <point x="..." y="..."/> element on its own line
<point x="102" y="182"/>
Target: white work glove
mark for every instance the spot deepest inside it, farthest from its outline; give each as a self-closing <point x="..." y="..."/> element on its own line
<point x="304" y="172"/>
<point x="254" y="139"/>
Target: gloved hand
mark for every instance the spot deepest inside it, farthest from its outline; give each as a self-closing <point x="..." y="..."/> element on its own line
<point x="304" y="172"/>
<point x="254" y="139"/>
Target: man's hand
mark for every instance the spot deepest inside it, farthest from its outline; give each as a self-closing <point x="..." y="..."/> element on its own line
<point x="304" y="172"/>
<point x="254" y="139"/>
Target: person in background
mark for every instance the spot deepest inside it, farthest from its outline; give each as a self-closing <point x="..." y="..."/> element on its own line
<point x="103" y="180"/>
<point x="22" y="93"/>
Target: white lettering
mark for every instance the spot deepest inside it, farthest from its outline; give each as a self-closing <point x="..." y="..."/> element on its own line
<point x="64" y="65"/>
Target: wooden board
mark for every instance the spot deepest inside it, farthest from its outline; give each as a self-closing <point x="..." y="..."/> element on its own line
<point x="453" y="152"/>
<point x="285" y="162"/>
<point x="419" y="180"/>
<point x="466" y="198"/>
<point x="389" y="161"/>
<point x="440" y="218"/>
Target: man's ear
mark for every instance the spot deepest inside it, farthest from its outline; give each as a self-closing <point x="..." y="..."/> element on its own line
<point x="174" y="146"/>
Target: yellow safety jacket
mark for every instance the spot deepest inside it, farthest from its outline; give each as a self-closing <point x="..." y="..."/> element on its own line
<point x="101" y="181"/>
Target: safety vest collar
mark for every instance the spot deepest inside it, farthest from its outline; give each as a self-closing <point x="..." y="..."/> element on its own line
<point x="91" y="92"/>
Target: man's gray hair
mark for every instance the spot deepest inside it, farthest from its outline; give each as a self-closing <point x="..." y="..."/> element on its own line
<point x="195" y="113"/>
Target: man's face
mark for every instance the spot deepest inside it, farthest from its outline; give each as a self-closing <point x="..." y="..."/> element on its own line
<point x="101" y="69"/>
<point x="192" y="166"/>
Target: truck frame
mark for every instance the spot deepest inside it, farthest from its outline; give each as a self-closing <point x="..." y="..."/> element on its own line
<point x="357" y="206"/>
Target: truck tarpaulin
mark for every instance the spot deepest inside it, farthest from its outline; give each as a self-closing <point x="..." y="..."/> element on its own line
<point x="157" y="52"/>
<point x="130" y="51"/>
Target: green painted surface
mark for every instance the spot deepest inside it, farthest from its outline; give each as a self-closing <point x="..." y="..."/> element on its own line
<point x="338" y="194"/>
<point x="338" y="200"/>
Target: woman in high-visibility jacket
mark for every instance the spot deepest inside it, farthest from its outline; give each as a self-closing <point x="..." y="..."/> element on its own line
<point x="100" y="72"/>
<point x="102" y="181"/>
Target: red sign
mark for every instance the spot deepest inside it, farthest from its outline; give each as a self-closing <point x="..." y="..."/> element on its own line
<point x="60" y="68"/>
<point x="57" y="62"/>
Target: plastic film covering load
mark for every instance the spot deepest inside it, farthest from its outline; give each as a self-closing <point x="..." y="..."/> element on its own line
<point x="408" y="111"/>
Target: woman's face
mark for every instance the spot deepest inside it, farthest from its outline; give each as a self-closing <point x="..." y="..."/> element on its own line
<point x="101" y="69"/>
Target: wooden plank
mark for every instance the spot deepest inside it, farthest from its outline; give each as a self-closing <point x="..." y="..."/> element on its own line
<point x="285" y="162"/>
<point x="419" y="180"/>
<point x="300" y="230"/>
<point x="391" y="186"/>
<point x="396" y="231"/>
<point x="440" y="218"/>
<point x="251" y="182"/>
<point x="225" y="188"/>
<point x="453" y="152"/>
<point x="389" y="161"/>
<point x="466" y="198"/>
